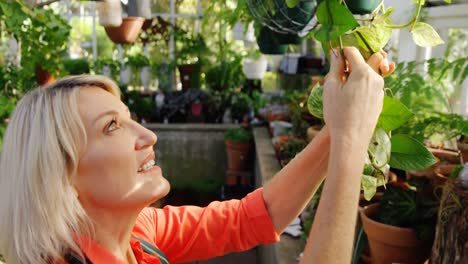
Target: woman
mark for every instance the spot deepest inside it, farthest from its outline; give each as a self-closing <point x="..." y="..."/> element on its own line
<point x="76" y="175"/>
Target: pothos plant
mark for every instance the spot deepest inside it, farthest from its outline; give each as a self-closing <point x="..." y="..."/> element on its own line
<point x="338" y="27"/>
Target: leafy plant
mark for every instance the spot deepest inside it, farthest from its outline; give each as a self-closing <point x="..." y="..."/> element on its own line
<point x="410" y="205"/>
<point x="225" y="75"/>
<point x="290" y="149"/>
<point x="238" y="135"/>
<point x="76" y="66"/>
<point x="192" y="47"/>
<point x="337" y="28"/>
<point x="429" y="97"/>
<point x="41" y="34"/>
<point x="113" y="65"/>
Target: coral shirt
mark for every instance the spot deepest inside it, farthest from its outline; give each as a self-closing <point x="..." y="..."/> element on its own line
<point x="189" y="233"/>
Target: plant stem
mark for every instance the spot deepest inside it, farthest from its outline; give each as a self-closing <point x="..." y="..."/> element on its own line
<point x="420" y="3"/>
<point x="345" y="64"/>
<point x="365" y="42"/>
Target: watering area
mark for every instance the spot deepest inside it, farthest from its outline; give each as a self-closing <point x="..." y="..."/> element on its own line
<point x="193" y="159"/>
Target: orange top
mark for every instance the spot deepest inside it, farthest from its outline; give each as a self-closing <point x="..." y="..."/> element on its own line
<point x="189" y="233"/>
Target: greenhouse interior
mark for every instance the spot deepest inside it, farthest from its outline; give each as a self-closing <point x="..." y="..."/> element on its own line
<point x="234" y="131"/>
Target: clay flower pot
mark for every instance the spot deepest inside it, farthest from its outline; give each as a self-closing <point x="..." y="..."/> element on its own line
<point x="390" y="244"/>
<point x="238" y="155"/>
<point x="43" y="77"/>
<point x="127" y="32"/>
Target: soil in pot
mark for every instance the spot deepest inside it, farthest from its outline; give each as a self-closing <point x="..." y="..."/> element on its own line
<point x="391" y="244"/>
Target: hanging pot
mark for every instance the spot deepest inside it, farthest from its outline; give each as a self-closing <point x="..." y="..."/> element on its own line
<point x="255" y="69"/>
<point x="125" y="74"/>
<point x="295" y="18"/>
<point x="239" y="32"/>
<point x="362" y="7"/>
<point x="268" y="44"/>
<point x="43" y="77"/>
<point x="109" y="13"/>
<point x="139" y="8"/>
<point x="127" y="32"/>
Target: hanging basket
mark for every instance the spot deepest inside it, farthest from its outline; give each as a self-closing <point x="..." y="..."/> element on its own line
<point x="268" y="44"/>
<point x="109" y="13"/>
<point x="362" y="7"/>
<point x="127" y="32"/>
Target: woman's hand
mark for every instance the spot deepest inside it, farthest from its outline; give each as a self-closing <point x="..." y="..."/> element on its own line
<point x="353" y="105"/>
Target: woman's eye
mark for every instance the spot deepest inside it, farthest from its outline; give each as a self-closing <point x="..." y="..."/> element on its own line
<point x="113" y="125"/>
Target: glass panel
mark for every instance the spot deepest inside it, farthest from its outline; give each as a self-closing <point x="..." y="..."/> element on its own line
<point x="161" y="6"/>
<point x="186" y="6"/>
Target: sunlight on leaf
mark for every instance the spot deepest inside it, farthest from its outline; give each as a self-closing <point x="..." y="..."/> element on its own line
<point x="425" y="36"/>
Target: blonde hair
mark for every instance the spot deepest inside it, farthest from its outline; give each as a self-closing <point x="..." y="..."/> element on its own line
<point x="40" y="211"/>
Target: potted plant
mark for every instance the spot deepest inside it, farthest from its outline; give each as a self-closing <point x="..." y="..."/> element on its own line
<point x="268" y="44"/>
<point x="238" y="143"/>
<point x="189" y="58"/>
<point x="41" y="40"/>
<point x="401" y="228"/>
<point x="255" y="65"/>
<point x="139" y="68"/>
<point x="290" y="149"/>
<point x="76" y="66"/>
<point x="107" y="67"/>
<point x="362" y="7"/>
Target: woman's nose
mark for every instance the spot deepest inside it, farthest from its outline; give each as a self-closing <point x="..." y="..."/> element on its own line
<point x="146" y="138"/>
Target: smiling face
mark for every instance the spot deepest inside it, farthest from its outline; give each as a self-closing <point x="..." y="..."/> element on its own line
<point x="116" y="169"/>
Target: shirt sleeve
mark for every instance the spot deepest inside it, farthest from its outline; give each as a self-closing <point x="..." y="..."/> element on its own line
<point x="189" y="233"/>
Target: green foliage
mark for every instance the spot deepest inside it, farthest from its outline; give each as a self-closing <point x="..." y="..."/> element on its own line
<point x="41" y="32"/>
<point x="456" y="171"/>
<point x="241" y="104"/>
<point x="429" y="95"/>
<point x="315" y="102"/>
<point x="191" y="48"/>
<point x="239" y="135"/>
<point x="410" y="206"/>
<point x="338" y="28"/>
<point x="226" y="75"/>
<point x="142" y="106"/>
<point x="76" y="66"/>
<point x="113" y="65"/>
<point x="291" y="148"/>
<point x="137" y="61"/>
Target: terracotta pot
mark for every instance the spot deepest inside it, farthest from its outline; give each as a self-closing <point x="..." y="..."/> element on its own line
<point x="463" y="147"/>
<point x="127" y="32"/>
<point x="43" y="77"/>
<point x="187" y="73"/>
<point x="391" y="244"/>
<point x="238" y="155"/>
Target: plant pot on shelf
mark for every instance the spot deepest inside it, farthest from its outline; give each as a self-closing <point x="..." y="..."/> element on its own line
<point x="238" y="155"/>
<point x="127" y="32"/>
<point x="255" y="69"/>
<point x="188" y="75"/>
<point x="391" y="244"/>
<point x="43" y="77"/>
<point x="463" y="147"/>
<point x="310" y="64"/>
<point x="361" y="7"/>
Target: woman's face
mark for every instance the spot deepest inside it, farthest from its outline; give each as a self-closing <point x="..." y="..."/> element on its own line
<point x="116" y="169"/>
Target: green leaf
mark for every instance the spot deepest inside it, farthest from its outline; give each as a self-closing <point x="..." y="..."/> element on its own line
<point x="379" y="148"/>
<point x="334" y="20"/>
<point x="315" y="102"/>
<point x="425" y="36"/>
<point x="409" y="154"/>
<point x="369" y="186"/>
<point x="292" y="3"/>
<point x="376" y="35"/>
<point x="393" y="115"/>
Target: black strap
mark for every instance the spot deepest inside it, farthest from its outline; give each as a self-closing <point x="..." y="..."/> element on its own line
<point x="73" y="258"/>
<point x="152" y="250"/>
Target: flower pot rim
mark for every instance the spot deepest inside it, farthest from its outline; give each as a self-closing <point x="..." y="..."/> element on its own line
<point x="397" y="236"/>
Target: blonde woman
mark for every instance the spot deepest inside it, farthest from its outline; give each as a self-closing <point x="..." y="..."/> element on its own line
<point x="77" y="174"/>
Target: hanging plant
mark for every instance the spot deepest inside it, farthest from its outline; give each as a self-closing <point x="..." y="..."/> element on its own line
<point x="338" y="28"/>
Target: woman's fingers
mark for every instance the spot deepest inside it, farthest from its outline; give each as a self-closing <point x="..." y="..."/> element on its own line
<point x="387" y="68"/>
<point x="336" y="67"/>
